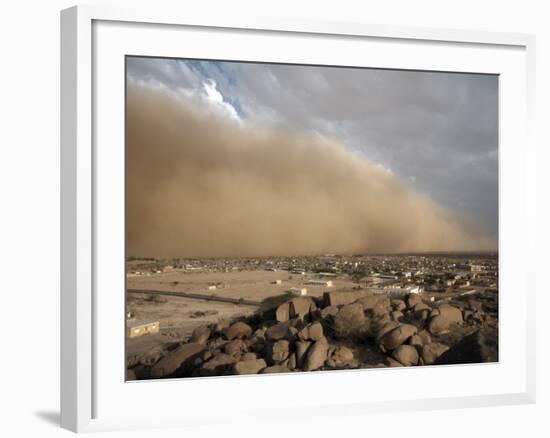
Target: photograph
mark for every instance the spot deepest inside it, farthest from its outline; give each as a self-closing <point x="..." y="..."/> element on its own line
<point x="286" y="218"/>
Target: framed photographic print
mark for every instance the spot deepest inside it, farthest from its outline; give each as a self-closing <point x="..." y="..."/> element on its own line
<point x="265" y="207"/>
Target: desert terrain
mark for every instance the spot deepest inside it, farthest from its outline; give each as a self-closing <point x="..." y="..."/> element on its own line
<point x="287" y="314"/>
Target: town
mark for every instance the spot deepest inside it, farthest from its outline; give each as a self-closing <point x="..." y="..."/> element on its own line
<point x="169" y="301"/>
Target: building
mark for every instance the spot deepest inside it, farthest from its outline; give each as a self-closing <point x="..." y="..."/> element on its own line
<point x="326" y="283"/>
<point x="136" y="328"/>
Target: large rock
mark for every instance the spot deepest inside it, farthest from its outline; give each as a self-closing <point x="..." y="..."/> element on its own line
<point x="421" y="306"/>
<point x="341" y="357"/>
<point x="311" y="332"/>
<point x="412" y="300"/>
<point x="425" y="336"/>
<point x="316" y="355"/>
<point x="416" y="340"/>
<point x="249" y="366"/>
<point x="282" y="314"/>
<point x="397" y="336"/>
<point x="450" y="312"/>
<point x="220" y="365"/>
<point x="279" y="351"/>
<point x="340" y="298"/>
<point x="479" y="347"/>
<point x="385" y="329"/>
<point x="391" y="362"/>
<point x="238" y="330"/>
<point x="398" y="305"/>
<point x="378" y="304"/>
<point x="406" y="355"/>
<point x="301" y="352"/>
<point x="396" y="315"/>
<point x="430" y="352"/>
<point x="329" y="311"/>
<point x="180" y="361"/>
<point x="350" y="322"/>
<point x="235" y="347"/>
<point x="275" y="369"/>
<point x="448" y="317"/>
<point x="200" y="335"/>
<point x="301" y="307"/>
<point x="281" y="330"/>
<point x="249" y="356"/>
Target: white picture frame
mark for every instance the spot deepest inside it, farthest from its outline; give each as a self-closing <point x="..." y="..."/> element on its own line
<point x="93" y="39"/>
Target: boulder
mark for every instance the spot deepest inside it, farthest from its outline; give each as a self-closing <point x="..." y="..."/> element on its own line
<point x="279" y="351"/>
<point x="406" y="355"/>
<point x="235" y="347"/>
<point x="378" y="304"/>
<point x="180" y="361"/>
<point x="450" y="312"/>
<point x="237" y="330"/>
<point x="249" y="366"/>
<point x="448" y="317"/>
<point x="397" y="336"/>
<point x="398" y="305"/>
<point x="391" y="362"/>
<point x="341" y="357"/>
<point x="249" y="356"/>
<point x="282" y="314"/>
<point x="279" y="331"/>
<point x="343" y="353"/>
<point x="430" y="352"/>
<point x="301" y="351"/>
<point x="412" y="300"/>
<point x="220" y="365"/>
<point x="421" y="306"/>
<point x="386" y="328"/>
<point x="316" y="355"/>
<point x="415" y="340"/>
<point x="476" y="306"/>
<point x="150" y="356"/>
<point x="275" y="369"/>
<point x="396" y="315"/>
<point x="291" y="361"/>
<point x="200" y="335"/>
<point x="329" y="311"/>
<point x="481" y="346"/>
<point x="425" y="336"/>
<point x="301" y="307"/>
<point x="311" y="332"/>
<point x="221" y="325"/>
<point x="419" y="317"/>
<point x="350" y="322"/>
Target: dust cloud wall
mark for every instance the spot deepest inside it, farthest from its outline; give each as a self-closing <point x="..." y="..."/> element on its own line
<point x="200" y="185"/>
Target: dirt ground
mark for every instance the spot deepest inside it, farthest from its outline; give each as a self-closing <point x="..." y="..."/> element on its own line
<point x="178" y="316"/>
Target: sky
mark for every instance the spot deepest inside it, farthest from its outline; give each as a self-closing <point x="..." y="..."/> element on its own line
<point x="436" y="132"/>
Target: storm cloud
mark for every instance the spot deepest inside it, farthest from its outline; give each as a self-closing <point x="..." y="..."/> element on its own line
<point x="437" y="132"/>
<point x="206" y="180"/>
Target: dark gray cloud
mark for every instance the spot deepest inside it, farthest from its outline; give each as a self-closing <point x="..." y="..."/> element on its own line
<point x="436" y="131"/>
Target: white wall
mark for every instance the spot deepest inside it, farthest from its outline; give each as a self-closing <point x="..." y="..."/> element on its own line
<point x="29" y="241"/>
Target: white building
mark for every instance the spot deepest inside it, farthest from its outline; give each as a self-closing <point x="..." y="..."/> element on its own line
<point x="326" y="283"/>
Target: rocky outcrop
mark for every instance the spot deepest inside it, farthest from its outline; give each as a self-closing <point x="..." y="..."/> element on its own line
<point x="311" y="334"/>
<point x="481" y="346"/>
<point x="237" y="330"/>
<point x="178" y="362"/>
